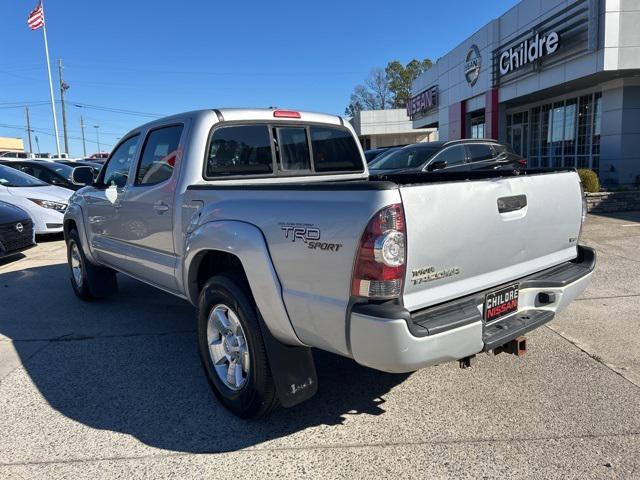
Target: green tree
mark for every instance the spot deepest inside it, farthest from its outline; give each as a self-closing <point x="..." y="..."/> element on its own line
<point x="401" y="77"/>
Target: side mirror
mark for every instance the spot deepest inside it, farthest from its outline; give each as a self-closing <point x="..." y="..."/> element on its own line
<point x="82" y="176"/>
<point x="437" y="165"/>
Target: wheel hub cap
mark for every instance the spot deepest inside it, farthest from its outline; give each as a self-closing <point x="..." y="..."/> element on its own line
<point x="76" y="264"/>
<point x="228" y="347"/>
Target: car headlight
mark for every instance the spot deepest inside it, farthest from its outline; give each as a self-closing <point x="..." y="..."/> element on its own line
<point x="57" y="206"/>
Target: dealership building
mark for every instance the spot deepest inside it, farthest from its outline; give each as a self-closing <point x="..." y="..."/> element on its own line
<point x="558" y="80"/>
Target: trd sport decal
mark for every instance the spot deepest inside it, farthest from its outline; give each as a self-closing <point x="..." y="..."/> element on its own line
<point x="309" y="235"/>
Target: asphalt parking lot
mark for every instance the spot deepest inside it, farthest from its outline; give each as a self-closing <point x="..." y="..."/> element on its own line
<point x="115" y="389"/>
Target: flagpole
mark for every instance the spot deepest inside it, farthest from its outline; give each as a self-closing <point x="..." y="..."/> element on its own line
<point x="53" y="104"/>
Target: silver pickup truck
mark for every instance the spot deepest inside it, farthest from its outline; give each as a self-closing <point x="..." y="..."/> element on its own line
<point x="268" y="222"/>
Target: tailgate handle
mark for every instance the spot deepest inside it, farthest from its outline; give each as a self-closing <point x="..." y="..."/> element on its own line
<point x="511" y="204"/>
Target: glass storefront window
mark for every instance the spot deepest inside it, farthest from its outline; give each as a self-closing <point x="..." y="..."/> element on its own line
<point x="563" y="134"/>
<point x="535" y="137"/>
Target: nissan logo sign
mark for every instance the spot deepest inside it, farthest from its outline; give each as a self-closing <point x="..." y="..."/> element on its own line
<point x="19" y="227"/>
<point x="529" y="51"/>
<point x="472" y="65"/>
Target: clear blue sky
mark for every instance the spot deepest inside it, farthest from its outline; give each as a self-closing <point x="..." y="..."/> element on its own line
<point x="165" y="57"/>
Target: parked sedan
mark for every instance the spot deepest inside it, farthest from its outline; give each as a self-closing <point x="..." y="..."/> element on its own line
<point x="456" y="155"/>
<point x="16" y="230"/>
<point x="95" y="167"/>
<point x="44" y="203"/>
<point x="374" y="153"/>
<point x="53" y="173"/>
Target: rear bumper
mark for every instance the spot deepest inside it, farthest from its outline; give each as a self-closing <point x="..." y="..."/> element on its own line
<point x="391" y="339"/>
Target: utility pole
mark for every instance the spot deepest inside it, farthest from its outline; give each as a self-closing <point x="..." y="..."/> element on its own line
<point x="84" y="147"/>
<point x="38" y="144"/>
<point x="63" y="88"/>
<point x="26" y="109"/>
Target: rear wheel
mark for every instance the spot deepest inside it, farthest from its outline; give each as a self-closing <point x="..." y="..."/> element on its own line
<point x="232" y="349"/>
<point x="88" y="281"/>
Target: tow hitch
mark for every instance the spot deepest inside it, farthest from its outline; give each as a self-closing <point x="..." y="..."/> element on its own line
<point x="517" y="346"/>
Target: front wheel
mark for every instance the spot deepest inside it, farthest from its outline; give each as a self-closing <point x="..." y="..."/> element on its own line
<point x="88" y="281"/>
<point x="232" y="349"/>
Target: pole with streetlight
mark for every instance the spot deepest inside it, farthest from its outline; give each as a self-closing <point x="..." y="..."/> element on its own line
<point x="84" y="147"/>
<point x="98" y="137"/>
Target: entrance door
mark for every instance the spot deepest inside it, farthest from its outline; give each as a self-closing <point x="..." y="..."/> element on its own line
<point x="517" y="139"/>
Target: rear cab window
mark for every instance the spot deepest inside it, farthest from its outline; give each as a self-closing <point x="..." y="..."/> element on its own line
<point x="262" y="150"/>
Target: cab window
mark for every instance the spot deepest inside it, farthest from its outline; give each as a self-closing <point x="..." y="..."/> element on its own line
<point x="116" y="172"/>
<point x="294" y="149"/>
<point x="159" y="155"/>
<point x="239" y="150"/>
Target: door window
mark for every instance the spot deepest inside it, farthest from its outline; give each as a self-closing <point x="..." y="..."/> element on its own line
<point x="116" y="172"/>
<point x="159" y="155"/>
<point x="452" y="155"/>
<point x="479" y="152"/>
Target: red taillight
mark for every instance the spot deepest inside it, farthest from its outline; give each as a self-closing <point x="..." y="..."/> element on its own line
<point x="286" y="114"/>
<point x="380" y="264"/>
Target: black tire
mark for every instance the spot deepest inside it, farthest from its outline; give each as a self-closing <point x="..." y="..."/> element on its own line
<point x="257" y="397"/>
<point x="94" y="281"/>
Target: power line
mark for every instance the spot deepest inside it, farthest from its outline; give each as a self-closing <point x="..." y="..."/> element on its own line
<point x="44" y="132"/>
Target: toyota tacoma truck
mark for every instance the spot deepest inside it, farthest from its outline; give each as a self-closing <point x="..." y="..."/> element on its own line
<point x="268" y="222"/>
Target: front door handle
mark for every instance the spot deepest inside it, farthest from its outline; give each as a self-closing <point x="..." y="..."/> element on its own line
<point x="161" y="207"/>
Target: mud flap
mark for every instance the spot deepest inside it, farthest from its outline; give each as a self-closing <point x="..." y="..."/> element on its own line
<point x="102" y="281"/>
<point x="292" y="368"/>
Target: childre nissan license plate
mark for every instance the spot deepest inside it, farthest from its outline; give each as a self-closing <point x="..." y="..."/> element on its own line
<point x="501" y="302"/>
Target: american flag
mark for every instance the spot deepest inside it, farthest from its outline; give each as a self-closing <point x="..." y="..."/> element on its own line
<point x="36" y="18"/>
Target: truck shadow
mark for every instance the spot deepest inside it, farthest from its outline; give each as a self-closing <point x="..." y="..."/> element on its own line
<point x="129" y="364"/>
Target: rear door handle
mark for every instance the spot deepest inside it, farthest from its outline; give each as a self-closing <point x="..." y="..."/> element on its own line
<point x="161" y="207"/>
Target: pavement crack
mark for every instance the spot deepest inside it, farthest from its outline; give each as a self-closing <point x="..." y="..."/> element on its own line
<point x="267" y="450"/>
<point x="70" y="337"/>
<point x="595" y="357"/>
<point x="631" y="295"/>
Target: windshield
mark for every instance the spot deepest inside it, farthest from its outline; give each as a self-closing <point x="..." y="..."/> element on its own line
<point x="61" y="169"/>
<point x="10" y="177"/>
<point x="407" y="157"/>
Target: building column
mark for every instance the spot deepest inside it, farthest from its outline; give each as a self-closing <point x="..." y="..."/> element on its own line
<point x="491" y="114"/>
<point x="620" y="133"/>
<point x="457" y="121"/>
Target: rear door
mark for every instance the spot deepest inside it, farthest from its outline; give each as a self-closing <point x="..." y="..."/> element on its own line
<point x="147" y="209"/>
<point x="462" y="239"/>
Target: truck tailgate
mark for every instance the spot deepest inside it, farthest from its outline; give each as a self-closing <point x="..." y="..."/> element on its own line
<point x="467" y="236"/>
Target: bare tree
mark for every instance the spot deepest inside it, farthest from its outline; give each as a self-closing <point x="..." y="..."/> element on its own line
<point x="378" y="84"/>
<point x="388" y="88"/>
<point x="373" y="95"/>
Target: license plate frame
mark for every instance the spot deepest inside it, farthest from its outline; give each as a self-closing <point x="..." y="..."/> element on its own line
<point x="501" y="302"/>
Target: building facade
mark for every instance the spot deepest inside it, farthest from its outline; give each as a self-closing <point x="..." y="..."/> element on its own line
<point x="386" y="128"/>
<point x="10" y="144"/>
<point x="558" y="80"/>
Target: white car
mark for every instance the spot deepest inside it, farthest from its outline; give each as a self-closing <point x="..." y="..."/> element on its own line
<point x="45" y="203"/>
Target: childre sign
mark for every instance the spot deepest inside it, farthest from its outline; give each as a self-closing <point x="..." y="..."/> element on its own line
<point x="529" y="51"/>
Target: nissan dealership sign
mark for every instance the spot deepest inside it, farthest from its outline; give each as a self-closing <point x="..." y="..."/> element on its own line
<point x="423" y="102"/>
<point x="530" y="50"/>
